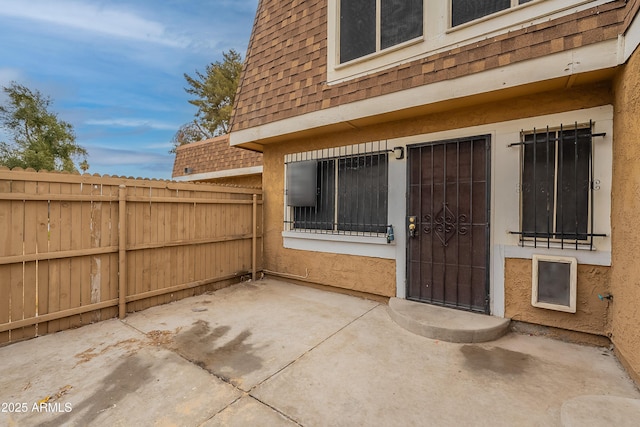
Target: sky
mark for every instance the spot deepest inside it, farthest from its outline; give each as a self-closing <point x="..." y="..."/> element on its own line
<point x="114" y="69"/>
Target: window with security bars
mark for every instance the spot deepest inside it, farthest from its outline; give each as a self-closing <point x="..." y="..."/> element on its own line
<point x="338" y="191"/>
<point x="463" y="11"/>
<point x="557" y="185"/>
<point x="369" y="26"/>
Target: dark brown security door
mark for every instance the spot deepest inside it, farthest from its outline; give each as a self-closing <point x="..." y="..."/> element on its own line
<point x="448" y="249"/>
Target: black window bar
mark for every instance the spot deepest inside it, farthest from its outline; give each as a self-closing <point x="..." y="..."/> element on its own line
<point x="346" y="191"/>
<point x="557" y="186"/>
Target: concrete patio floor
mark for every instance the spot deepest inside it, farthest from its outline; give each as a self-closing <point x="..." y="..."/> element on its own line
<point x="272" y="353"/>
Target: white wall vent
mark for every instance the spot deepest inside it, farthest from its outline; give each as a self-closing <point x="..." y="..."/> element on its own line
<point x="554" y="281"/>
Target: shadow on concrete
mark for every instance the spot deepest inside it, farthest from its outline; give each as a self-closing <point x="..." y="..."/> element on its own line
<point x="124" y="380"/>
<point x="231" y="361"/>
<point x="497" y="360"/>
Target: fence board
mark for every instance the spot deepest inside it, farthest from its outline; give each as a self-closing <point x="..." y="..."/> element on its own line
<point x="110" y="268"/>
<point x="16" y="272"/>
<point x="190" y="251"/>
<point x="173" y="252"/>
<point x="198" y="250"/>
<point x="30" y="282"/>
<point x="86" y="242"/>
<point x="54" y="246"/>
<point x="208" y="252"/>
<point x="5" y="242"/>
<point x="216" y="230"/>
<point x="131" y="257"/>
<point x="59" y="262"/>
<point x="146" y="255"/>
<point x="138" y="273"/>
<point x="66" y="225"/>
<point x="166" y="252"/>
<point x="152" y="254"/>
<point x="180" y="253"/>
<point x="165" y="276"/>
<point x="225" y="255"/>
<point x="95" y="271"/>
<point x="42" y="245"/>
<point x="76" y="230"/>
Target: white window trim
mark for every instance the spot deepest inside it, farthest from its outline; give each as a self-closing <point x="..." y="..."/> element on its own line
<point x="557" y="242"/>
<point x="355" y="150"/>
<point x="504" y="178"/>
<point x="379" y="51"/>
<point x="351" y="244"/>
<point x="573" y="279"/>
<point x="438" y="36"/>
<point x="370" y="246"/>
<point x="505" y="173"/>
<point x="514" y="4"/>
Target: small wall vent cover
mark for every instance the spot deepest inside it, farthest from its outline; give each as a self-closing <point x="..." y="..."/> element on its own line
<point x="554" y="280"/>
<point x="302" y="186"/>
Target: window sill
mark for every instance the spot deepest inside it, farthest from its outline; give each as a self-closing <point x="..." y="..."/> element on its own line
<point x="490" y="16"/>
<point x="593" y="257"/>
<point x="370" y="246"/>
<point x="365" y="58"/>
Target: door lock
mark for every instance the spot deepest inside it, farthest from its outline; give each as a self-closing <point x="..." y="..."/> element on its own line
<point x="412" y="226"/>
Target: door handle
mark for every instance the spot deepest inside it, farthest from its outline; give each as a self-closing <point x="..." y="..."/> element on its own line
<point x="412" y="226"/>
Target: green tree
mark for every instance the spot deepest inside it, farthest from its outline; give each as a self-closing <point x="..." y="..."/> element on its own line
<point x="188" y="132"/>
<point x="40" y="139"/>
<point x="215" y="92"/>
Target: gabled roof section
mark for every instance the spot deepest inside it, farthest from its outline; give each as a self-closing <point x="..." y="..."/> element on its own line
<point x="213" y="155"/>
<point x="286" y="64"/>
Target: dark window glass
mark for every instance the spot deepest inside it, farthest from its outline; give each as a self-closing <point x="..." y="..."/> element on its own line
<point x="573" y="184"/>
<point x="553" y="283"/>
<point x="524" y="1"/>
<point x="357" y="28"/>
<point x="556" y="184"/>
<point x="401" y="20"/>
<point x="467" y="10"/>
<point x="362" y="193"/>
<point x="321" y="216"/>
<point x="538" y="176"/>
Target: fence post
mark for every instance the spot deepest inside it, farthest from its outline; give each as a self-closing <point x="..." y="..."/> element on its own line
<point x="122" y="251"/>
<point x="254" y="238"/>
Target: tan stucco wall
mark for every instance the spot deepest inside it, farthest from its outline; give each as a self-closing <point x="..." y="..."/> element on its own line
<point x="591" y="314"/>
<point x="374" y="275"/>
<point x="625" y="233"/>
<point x="369" y="275"/>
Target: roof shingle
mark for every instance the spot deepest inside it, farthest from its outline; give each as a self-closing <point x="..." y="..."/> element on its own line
<point x="285" y="70"/>
<point x="213" y="155"/>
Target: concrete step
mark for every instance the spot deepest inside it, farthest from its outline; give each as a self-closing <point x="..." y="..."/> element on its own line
<point x="446" y="324"/>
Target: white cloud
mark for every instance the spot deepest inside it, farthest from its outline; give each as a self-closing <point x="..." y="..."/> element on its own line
<point x="105" y="20"/>
<point x="159" y="146"/>
<point x="117" y="156"/>
<point x="7" y="75"/>
<point x="133" y="123"/>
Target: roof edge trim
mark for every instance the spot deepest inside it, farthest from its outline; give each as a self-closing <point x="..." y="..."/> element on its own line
<point x="253" y="170"/>
<point x="602" y="55"/>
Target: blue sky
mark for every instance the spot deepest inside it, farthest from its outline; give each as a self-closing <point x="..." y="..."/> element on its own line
<point x="114" y="68"/>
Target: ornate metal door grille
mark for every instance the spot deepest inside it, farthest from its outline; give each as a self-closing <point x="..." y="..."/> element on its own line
<point x="448" y="257"/>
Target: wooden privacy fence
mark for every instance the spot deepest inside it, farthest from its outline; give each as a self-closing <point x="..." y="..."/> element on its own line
<point x="77" y="249"/>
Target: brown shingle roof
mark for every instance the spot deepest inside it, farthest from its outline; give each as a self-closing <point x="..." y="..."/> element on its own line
<point x="286" y="66"/>
<point x="213" y="155"/>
